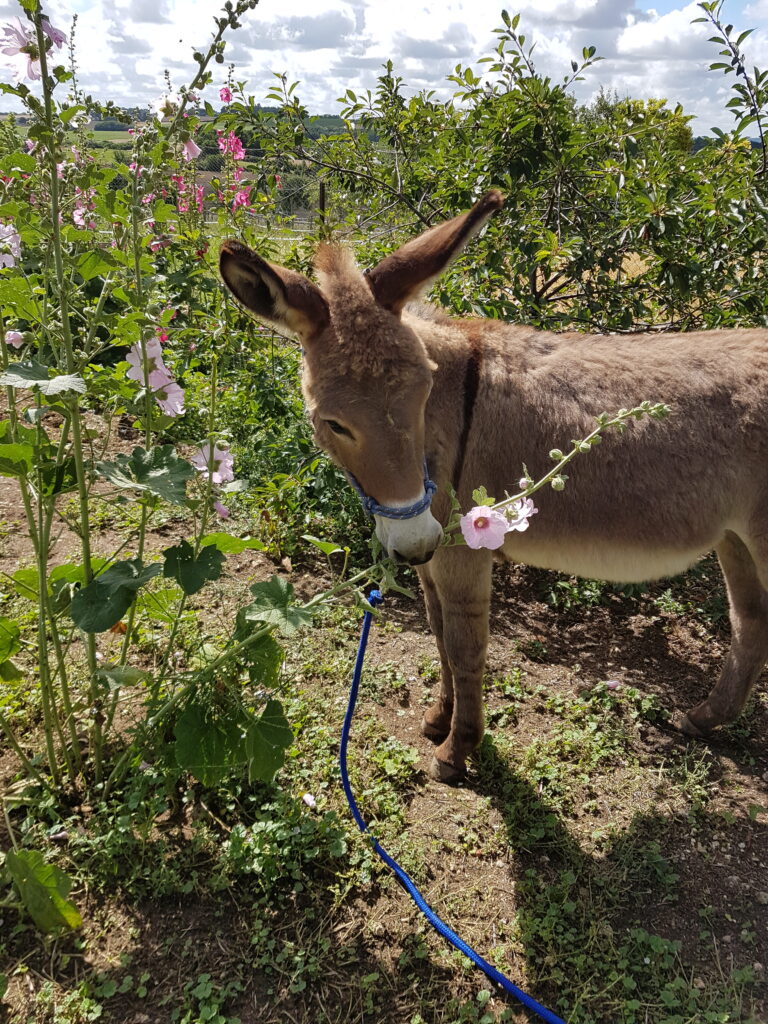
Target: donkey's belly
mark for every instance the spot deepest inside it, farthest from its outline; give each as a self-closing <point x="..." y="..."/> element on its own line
<point x="600" y="559"/>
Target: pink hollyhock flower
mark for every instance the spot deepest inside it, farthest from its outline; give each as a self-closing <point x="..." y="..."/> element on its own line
<point x="159" y="243"/>
<point x="216" y="461"/>
<point x="10" y="245"/>
<point x="238" y="173"/>
<point x="160" y="377"/>
<point x="162" y="336"/>
<point x="57" y="37"/>
<point x="225" y="94"/>
<point x="519" y="513"/>
<point x="484" y="527"/>
<point x="199" y="193"/>
<point x="19" y="41"/>
<point x="232" y="145"/>
<point x="148" y="198"/>
<point x="14" y="338"/>
<point x="31" y="145"/>
<point x="182" y="205"/>
<point x="170" y="398"/>
<point x="190" y="150"/>
<point x="242" y="198"/>
<point x="221" y="510"/>
<point x="154" y="363"/>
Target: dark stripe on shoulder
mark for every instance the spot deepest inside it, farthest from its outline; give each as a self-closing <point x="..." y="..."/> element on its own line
<point x="471" y="385"/>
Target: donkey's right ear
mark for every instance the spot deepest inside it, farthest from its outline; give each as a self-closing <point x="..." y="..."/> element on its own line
<point x="283" y="297"/>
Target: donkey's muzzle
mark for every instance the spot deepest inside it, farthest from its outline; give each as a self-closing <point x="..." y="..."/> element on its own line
<point x="412" y="561"/>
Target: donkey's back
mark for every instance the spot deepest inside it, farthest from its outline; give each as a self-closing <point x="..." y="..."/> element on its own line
<point x="649" y="502"/>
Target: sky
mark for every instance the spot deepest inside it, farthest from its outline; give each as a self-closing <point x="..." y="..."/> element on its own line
<point x="650" y="49"/>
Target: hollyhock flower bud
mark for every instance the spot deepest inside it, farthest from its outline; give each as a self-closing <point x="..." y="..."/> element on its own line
<point x="221" y="510"/>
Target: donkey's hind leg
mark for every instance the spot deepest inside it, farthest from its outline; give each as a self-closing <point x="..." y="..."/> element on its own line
<point x="748" y="600"/>
<point x="462" y="585"/>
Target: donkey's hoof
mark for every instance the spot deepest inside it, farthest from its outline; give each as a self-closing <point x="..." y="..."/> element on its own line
<point x="433" y="731"/>
<point x="446" y="773"/>
<point x="687" y="727"/>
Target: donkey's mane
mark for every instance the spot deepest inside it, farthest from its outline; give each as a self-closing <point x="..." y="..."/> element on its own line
<point x="370" y="336"/>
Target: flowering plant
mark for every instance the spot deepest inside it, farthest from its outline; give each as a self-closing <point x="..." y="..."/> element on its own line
<point x="487" y="524"/>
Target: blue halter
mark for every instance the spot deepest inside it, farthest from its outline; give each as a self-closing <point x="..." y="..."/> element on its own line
<point x="373" y="508"/>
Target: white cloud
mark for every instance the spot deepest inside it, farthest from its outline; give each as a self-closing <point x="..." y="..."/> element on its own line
<point x="331" y="45"/>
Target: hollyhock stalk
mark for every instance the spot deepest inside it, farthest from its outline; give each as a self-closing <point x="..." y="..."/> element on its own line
<point x="76" y="426"/>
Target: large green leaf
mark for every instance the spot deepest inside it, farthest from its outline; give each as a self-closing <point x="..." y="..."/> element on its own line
<point x="43" y="889"/>
<point x="9" y="638"/>
<point x="265" y="659"/>
<point x="30" y="374"/>
<point x="63" y="580"/>
<point x="95" y="263"/>
<point x="158" y="471"/>
<point x="229" y="545"/>
<point x="266" y="740"/>
<point x="274" y="604"/>
<point x="189" y="572"/>
<point x="108" y="596"/>
<point x="209" y="741"/>
<point x="16" y="459"/>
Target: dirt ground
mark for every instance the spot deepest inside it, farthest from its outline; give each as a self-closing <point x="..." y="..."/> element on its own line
<point x="703" y="805"/>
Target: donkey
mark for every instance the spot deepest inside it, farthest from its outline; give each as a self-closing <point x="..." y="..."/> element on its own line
<point x="391" y="391"/>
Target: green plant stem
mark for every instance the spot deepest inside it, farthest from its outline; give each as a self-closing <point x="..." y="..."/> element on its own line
<point x="14" y="744"/>
<point x="69" y="356"/>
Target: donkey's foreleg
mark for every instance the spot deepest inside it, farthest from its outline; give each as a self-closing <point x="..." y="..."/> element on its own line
<point x="462" y="582"/>
<point x="436" y="723"/>
<point x="749" y="639"/>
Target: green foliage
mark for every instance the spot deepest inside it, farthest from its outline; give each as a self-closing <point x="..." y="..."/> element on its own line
<point x="159" y="472"/>
<point x="43" y="890"/>
<point x="104" y="601"/>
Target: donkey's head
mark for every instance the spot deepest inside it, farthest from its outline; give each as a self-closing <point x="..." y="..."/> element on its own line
<point x="366" y="375"/>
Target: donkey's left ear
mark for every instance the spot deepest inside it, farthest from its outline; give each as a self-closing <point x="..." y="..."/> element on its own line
<point x="412" y="269"/>
<point x="288" y="300"/>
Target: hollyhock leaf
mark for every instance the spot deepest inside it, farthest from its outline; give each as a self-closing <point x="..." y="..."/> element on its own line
<point x="9" y="638"/>
<point x="189" y="572"/>
<point x="275" y="605"/>
<point x="16" y="459"/>
<point x="58" y="477"/>
<point x="266" y="741"/>
<point x="265" y="659"/>
<point x="158" y="471"/>
<point x="209" y="741"/>
<point x="229" y="545"/>
<point x="97" y="607"/>
<point x="43" y="889"/>
<point x="31" y="374"/>
<point x="95" y="263"/>
<point x="9" y="672"/>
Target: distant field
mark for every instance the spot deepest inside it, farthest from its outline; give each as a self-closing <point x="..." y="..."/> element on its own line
<point x="110" y="136"/>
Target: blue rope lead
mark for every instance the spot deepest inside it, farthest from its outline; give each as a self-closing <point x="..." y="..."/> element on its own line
<point x="374" y="600"/>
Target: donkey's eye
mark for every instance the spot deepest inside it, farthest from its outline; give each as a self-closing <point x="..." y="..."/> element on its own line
<point x="338" y="429"/>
